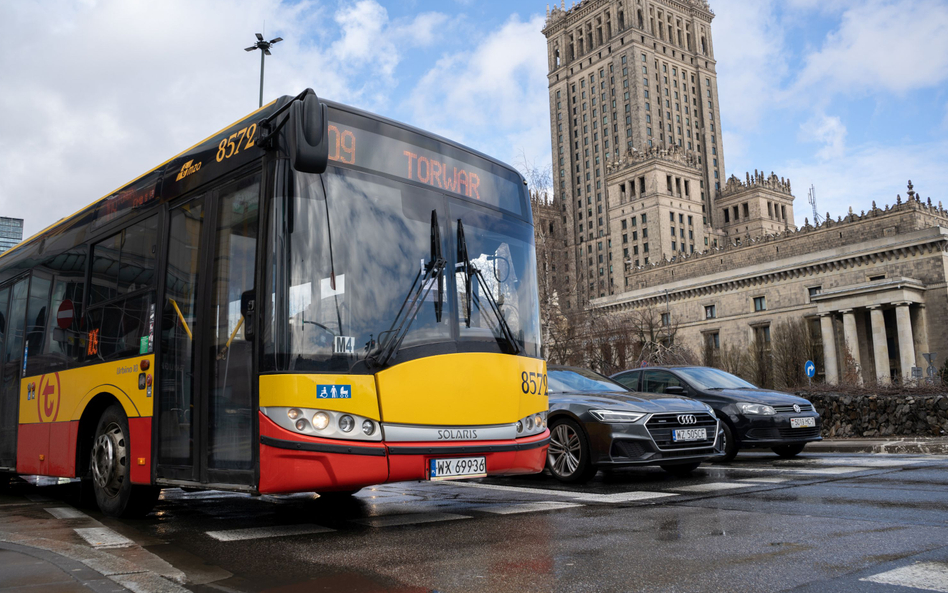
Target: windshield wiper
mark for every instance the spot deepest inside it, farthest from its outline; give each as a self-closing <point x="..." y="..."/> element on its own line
<point x="415" y="299"/>
<point x="470" y="271"/>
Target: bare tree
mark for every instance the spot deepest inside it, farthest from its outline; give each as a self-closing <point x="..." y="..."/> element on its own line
<point x="792" y="346"/>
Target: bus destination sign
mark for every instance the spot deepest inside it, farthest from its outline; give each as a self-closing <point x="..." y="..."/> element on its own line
<point x="353" y="146"/>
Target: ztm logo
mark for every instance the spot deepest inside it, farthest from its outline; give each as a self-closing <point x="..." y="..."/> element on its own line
<point x="49" y="395"/>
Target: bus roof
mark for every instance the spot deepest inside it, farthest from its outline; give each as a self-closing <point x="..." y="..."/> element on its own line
<point x="64" y="223"/>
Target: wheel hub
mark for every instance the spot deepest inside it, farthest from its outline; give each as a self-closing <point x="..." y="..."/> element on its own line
<point x="109" y="459"/>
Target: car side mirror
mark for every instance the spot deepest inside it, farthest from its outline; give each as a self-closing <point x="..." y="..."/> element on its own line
<point x="308" y="135"/>
<point x="675" y="390"/>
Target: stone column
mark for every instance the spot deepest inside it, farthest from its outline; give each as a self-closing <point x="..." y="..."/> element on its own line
<point x="880" y="348"/>
<point x="829" y="349"/>
<point x="921" y="335"/>
<point x="906" y="341"/>
<point x="852" y="342"/>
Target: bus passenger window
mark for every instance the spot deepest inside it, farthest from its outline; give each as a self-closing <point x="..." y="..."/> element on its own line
<point x="36" y="312"/>
<point x="125" y="262"/>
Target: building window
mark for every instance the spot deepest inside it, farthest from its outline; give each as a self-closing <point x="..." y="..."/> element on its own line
<point x="710" y="312"/>
<point x="713" y="340"/>
<point x="814" y="290"/>
<point x="666" y="319"/>
<point x="760" y="303"/>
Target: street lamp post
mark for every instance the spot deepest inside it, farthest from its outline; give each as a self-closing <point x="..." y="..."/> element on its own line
<point x="264" y="47"/>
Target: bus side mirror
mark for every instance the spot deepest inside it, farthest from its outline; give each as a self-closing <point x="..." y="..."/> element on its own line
<point x="307" y="135"/>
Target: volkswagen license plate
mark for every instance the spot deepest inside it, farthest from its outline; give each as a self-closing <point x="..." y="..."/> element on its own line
<point x="689" y="434"/>
<point x="803" y="422"/>
<point x="458" y="467"/>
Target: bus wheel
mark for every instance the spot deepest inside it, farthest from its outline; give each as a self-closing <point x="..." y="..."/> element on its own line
<point x="109" y="461"/>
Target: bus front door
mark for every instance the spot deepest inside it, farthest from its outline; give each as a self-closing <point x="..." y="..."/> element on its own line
<point x="206" y="421"/>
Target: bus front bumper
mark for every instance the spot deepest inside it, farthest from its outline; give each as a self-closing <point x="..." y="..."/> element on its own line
<point x="295" y="463"/>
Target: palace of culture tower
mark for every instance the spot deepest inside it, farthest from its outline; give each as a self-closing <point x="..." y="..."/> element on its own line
<point x="638" y="161"/>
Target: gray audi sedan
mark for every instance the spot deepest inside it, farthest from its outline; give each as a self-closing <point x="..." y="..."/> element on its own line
<point x="596" y="423"/>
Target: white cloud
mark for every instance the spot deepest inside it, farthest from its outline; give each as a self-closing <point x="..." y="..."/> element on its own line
<point x="97" y="93"/>
<point x="493" y="97"/>
<point x="866" y="174"/>
<point x="829" y="131"/>
<point x="895" y="46"/>
<point x="749" y="46"/>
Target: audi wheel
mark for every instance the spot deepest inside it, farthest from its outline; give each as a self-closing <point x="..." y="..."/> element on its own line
<point x="568" y="455"/>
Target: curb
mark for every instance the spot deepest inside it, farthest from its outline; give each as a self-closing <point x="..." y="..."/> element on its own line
<point x="912" y="446"/>
<point x="83" y="575"/>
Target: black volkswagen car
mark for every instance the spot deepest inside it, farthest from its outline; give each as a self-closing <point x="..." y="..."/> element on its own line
<point x="596" y="423"/>
<point x="751" y="417"/>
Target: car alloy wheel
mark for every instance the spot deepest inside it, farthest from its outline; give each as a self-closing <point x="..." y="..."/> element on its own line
<point x="565" y="451"/>
<point x="568" y="455"/>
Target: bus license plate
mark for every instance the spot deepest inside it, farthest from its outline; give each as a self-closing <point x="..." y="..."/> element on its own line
<point x="803" y="423"/>
<point x="458" y="467"/>
<point x="689" y="434"/>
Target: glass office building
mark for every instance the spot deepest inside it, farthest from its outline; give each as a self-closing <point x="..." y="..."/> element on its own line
<point x="11" y="232"/>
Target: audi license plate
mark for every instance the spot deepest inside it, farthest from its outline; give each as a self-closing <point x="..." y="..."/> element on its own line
<point x="803" y="423"/>
<point x="689" y="434"/>
<point x="458" y="467"/>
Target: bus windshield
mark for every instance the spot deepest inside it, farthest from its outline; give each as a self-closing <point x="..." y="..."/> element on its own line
<point x="347" y="247"/>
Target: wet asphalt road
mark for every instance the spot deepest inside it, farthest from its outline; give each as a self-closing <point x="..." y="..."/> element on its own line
<point x="822" y="522"/>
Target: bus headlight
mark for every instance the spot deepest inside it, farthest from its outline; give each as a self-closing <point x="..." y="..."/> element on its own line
<point x="320" y="420"/>
<point x="368" y="427"/>
<point x="346" y="423"/>
<point x="293" y="413"/>
<point x="519" y="426"/>
<point x="529" y="423"/>
<point x="301" y="424"/>
<point x="538" y="421"/>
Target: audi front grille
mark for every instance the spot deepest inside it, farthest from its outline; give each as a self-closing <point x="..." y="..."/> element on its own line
<point x="661" y="427"/>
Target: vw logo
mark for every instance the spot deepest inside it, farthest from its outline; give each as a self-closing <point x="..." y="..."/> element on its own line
<point x="796" y="408"/>
<point x="687" y="419"/>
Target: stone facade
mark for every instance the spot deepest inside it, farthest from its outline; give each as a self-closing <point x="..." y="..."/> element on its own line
<point x="870" y="416"/>
<point x="873" y="286"/>
<point x="626" y="76"/>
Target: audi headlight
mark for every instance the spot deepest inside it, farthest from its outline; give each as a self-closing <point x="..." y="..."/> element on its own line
<point x="760" y="409"/>
<point x="710" y="410"/>
<point x="616" y="415"/>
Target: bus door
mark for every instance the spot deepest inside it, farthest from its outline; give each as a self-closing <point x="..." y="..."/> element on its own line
<point x="13" y="299"/>
<point x="206" y="402"/>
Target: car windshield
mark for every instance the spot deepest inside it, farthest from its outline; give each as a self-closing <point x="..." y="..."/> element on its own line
<point x="343" y="267"/>
<point x="581" y="381"/>
<point x="708" y="378"/>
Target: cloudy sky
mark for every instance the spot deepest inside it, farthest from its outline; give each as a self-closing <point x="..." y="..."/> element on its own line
<point x="849" y="96"/>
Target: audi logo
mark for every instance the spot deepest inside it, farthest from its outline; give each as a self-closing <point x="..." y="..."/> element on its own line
<point x="796" y="408"/>
<point x="687" y="419"/>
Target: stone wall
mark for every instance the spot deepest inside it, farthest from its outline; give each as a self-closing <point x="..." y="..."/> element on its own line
<point x="881" y="415"/>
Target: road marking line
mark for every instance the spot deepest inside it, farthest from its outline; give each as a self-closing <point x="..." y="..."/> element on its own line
<point x="930" y="576"/>
<point x="103" y="537"/>
<point x="822" y="471"/>
<point x="409" y="519"/>
<point x="624" y="496"/>
<point x="578" y="496"/>
<point x="765" y="480"/>
<point x="527" y="507"/>
<point x="234" y="535"/>
<point x="709" y="487"/>
<point x="67" y="513"/>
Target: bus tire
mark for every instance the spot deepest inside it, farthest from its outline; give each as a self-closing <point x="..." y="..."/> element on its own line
<point x="109" y="463"/>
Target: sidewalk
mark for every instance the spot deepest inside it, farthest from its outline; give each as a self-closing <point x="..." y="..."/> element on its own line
<point x="909" y="445"/>
<point x="24" y="569"/>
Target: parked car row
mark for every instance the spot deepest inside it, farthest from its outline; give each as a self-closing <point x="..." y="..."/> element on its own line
<point x="673" y="417"/>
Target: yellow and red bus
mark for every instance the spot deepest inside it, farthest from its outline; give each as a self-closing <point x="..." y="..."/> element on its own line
<point x="313" y="299"/>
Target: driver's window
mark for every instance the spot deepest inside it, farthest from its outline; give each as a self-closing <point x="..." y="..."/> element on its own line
<point x="657" y="381"/>
<point x="629" y="380"/>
